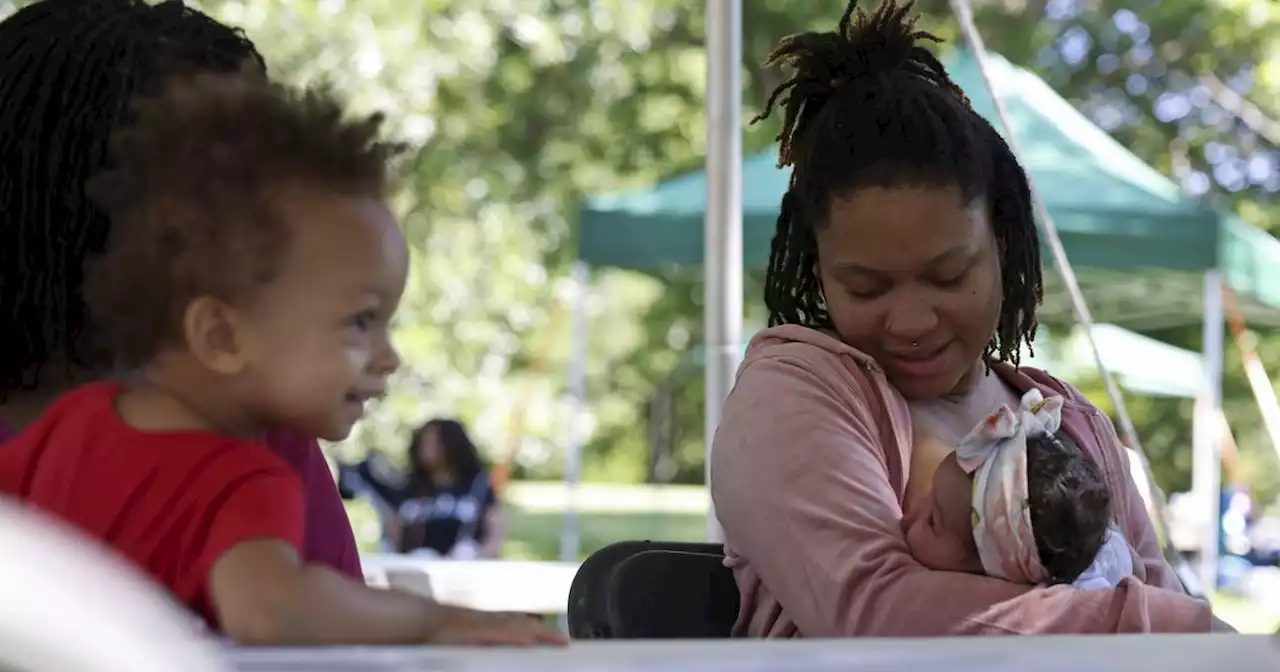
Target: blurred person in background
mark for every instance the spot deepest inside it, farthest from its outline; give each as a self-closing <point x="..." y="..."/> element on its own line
<point x="376" y="481"/>
<point x="68" y="71"/>
<point x="449" y="507"/>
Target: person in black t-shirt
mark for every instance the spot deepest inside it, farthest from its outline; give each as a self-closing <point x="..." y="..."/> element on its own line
<point x="449" y="508"/>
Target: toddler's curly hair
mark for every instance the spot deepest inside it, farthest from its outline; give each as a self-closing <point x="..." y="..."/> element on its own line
<point x="190" y="189"/>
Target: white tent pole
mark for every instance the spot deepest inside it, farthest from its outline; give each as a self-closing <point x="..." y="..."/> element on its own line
<point x="964" y="13"/>
<point x="722" y="262"/>
<point x="1206" y="465"/>
<point x="569" y="537"/>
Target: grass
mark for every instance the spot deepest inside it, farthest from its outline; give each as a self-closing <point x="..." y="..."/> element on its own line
<point x="609" y="513"/>
<point x="1250" y="617"/>
<point x="535" y="517"/>
<point x="535" y="535"/>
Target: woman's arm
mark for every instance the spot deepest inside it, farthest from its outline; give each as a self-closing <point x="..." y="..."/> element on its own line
<point x="801" y="487"/>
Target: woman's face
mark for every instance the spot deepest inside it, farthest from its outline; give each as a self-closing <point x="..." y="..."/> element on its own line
<point x="911" y="277"/>
<point x="430" y="452"/>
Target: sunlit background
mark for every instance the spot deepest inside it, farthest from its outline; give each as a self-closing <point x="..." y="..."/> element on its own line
<point x="524" y="109"/>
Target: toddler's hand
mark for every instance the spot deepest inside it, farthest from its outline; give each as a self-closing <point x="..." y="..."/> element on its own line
<point x="468" y="627"/>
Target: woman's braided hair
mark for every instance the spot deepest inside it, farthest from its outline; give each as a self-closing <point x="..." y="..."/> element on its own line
<point x="869" y="105"/>
<point x="68" y="71"/>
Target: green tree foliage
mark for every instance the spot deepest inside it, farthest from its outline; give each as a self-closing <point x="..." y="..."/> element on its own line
<point x="523" y="107"/>
<point x="1152" y="75"/>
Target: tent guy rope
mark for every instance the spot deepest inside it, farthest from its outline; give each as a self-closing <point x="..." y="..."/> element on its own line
<point x="964" y="14"/>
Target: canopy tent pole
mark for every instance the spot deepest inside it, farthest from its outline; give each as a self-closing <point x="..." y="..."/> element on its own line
<point x="1206" y="463"/>
<point x="1230" y="451"/>
<point x="722" y="265"/>
<point x="1263" y="393"/>
<point x="569" y="537"/>
<point x="964" y="13"/>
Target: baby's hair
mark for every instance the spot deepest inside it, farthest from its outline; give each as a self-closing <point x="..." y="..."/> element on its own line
<point x="1070" y="506"/>
<point x="68" y="69"/>
<point x="869" y="105"/>
<point x="189" y="194"/>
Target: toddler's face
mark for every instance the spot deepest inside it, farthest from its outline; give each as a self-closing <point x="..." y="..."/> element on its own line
<point x="320" y="331"/>
<point x="939" y="527"/>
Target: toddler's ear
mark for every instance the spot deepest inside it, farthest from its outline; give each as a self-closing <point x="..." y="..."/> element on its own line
<point x="213" y="335"/>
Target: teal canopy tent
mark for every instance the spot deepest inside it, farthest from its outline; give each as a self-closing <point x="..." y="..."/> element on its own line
<point x="1146" y="255"/>
<point x="1139" y="244"/>
<point x="1141" y="364"/>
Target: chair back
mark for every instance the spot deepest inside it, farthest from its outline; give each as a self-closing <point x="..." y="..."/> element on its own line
<point x="672" y="595"/>
<point x="596" y="608"/>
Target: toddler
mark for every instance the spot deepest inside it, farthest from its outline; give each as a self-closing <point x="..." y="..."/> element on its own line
<point x="1019" y="500"/>
<point x="249" y="283"/>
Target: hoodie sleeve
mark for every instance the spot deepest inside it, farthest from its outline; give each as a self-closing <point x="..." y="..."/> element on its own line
<point x="801" y="487"/>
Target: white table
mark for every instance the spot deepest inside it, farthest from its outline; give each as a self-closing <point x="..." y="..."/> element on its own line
<point x="1156" y="653"/>
<point x="492" y="585"/>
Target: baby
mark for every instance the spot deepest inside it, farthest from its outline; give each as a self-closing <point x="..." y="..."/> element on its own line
<point x="249" y="283"/>
<point x="1018" y="500"/>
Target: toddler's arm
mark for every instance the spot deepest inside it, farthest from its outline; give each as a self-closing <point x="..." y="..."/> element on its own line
<point x="264" y="594"/>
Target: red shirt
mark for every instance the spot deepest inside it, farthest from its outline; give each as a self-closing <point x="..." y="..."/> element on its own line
<point x="329" y="540"/>
<point x="171" y="502"/>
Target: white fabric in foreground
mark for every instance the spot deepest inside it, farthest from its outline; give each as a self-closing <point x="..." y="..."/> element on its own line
<point x="68" y="604"/>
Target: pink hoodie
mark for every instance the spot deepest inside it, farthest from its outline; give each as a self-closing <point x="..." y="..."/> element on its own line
<point x="809" y="469"/>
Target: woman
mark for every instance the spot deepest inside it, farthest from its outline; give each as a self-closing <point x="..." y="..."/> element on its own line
<point x="903" y="279"/>
<point x="450" y="509"/>
<point x="68" y="69"/>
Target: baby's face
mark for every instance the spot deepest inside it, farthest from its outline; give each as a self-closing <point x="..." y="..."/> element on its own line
<point x="939" y="528"/>
<point x="321" y="329"/>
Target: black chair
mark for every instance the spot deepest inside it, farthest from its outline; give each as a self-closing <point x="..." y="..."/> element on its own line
<point x="653" y="589"/>
<point x="672" y="595"/>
